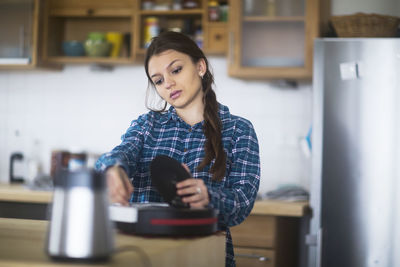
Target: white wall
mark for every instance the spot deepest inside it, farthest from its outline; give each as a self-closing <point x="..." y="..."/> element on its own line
<point x="82" y="109"/>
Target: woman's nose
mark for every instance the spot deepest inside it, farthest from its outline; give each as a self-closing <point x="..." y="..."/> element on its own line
<point x="169" y="82"/>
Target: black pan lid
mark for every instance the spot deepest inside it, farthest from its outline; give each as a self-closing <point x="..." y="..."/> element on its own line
<point x="165" y="173"/>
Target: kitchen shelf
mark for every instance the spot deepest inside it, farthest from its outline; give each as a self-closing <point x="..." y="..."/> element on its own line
<point x="22" y="32"/>
<point x="272" y="19"/>
<point x="141" y="51"/>
<point x="217" y="23"/>
<point x="87" y="60"/>
<point x="83" y="12"/>
<point x="273" y="46"/>
<point x="73" y="20"/>
<point x="171" y="12"/>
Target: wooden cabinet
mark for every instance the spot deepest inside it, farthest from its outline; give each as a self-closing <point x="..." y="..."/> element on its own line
<point x="217" y="38"/>
<point x="269" y="237"/>
<point x="164" y="16"/>
<point x="210" y="35"/>
<point x="254" y="257"/>
<point x="73" y="20"/>
<point x="216" y="27"/>
<point x="19" y="34"/>
<point x="272" y="39"/>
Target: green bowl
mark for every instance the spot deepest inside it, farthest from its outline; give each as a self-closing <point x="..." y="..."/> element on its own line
<point x="97" y="48"/>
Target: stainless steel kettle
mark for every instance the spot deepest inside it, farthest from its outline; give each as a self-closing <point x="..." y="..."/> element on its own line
<point x="80" y="228"/>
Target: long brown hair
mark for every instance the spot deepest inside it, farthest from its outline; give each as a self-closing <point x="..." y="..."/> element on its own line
<point x="212" y="127"/>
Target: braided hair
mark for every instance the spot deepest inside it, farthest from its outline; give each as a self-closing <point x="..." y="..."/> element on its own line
<point x="212" y="127"/>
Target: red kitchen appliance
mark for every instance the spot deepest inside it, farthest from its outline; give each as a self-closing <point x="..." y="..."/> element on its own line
<point x="173" y="218"/>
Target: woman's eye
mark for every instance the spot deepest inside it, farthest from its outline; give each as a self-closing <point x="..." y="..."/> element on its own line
<point x="158" y="82"/>
<point x="177" y="70"/>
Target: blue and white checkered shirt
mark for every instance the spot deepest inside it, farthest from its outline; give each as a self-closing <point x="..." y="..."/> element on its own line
<point x="166" y="133"/>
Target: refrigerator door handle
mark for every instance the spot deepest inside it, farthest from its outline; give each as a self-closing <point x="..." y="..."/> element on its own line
<point x="315" y="240"/>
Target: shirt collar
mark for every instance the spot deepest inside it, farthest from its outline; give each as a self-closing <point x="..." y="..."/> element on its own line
<point x="223" y="112"/>
<point x="170" y="114"/>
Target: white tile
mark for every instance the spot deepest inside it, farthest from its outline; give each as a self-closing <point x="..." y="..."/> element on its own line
<point x="80" y="108"/>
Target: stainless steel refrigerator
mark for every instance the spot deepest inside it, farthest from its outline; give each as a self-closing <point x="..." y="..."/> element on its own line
<point x="355" y="190"/>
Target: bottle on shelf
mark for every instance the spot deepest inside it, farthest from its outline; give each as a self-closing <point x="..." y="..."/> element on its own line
<point x="223" y="11"/>
<point x="177" y="5"/>
<point x="271" y="8"/>
<point x="151" y="29"/>
<point x="213" y="10"/>
<point x="190" y="4"/>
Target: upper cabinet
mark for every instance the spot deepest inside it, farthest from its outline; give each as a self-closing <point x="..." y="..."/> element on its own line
<point x="115" y="32"/>
<point x="262" y="39"/>
<point x="205" y="21"/>
<point x="87" y="31"/>
<point x="272" y="38"/>
<point x="216" y="26"/>
<point x="177" y="15"/>
<point x="19" y="34"/>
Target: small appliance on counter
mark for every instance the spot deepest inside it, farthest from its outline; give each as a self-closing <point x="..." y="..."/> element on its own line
<point x="24" y="169"/>
<point x="14" y="158"/>
<point x="80" y="228"/>
<point x="173" y="218"/>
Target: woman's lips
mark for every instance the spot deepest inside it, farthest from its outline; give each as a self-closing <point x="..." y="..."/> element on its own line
<point x="175" y="94"/>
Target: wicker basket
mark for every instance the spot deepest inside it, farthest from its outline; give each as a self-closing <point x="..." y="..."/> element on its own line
<point x="365" y="25"/>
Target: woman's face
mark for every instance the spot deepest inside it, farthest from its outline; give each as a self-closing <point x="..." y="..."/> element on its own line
<point x="177" y="79"/>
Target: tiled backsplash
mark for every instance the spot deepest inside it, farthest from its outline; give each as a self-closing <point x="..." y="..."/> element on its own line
<point x="81" y="109"/>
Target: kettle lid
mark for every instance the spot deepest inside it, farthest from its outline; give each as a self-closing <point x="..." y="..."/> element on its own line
<point x="84" y="177"/>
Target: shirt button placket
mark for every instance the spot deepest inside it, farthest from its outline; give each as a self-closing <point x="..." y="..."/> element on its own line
<point x="187" y="141"/>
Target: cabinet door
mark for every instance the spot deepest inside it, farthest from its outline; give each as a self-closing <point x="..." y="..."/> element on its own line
<point x="217" y="39"/>
<point x="253" y="257"/>
<point x="71" y="21"/>
<point x="255" y="231"/>
<point x="19" y="22"/>
<point x="272" y="39"/>
<point x="91" y="8"/>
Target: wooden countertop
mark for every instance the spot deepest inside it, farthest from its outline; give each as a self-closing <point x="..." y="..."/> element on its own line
<point x="22" y="244"/>
<point x="20" y="193"/>
<point x="281" y="208"/>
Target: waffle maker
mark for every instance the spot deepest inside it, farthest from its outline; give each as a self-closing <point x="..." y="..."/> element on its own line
<point x="173" y="218"/>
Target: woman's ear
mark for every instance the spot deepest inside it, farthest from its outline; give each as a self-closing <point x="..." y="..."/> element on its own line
<point x="201" y="67"/>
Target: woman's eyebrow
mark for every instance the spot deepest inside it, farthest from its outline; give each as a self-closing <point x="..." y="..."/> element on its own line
<point x="169" y="65"/>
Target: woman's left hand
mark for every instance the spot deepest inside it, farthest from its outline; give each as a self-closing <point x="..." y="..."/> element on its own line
<point x="195" y="189"/>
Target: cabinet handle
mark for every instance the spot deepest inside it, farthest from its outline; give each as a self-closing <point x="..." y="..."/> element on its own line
<point x="231" y="48"/>
<point x="252" y="256"/>
<point x="90" y="11"/>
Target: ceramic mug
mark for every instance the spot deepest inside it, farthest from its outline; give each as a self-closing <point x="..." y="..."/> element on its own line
<point x="116" y="38"/>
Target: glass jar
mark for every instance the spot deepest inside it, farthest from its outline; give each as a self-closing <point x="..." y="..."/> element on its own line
<point x="151" y="29"/>
<point x="213" y="11"/>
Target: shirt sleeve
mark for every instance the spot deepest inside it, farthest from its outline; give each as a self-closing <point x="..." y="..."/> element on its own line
<point x="127" y="153"/>
<point x="236" y="198"/>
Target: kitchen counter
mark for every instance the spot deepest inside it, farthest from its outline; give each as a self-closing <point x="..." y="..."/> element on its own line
<point x="281" y="208"/>
<point x="22" y="243"/>
<point x="21" y="194"/>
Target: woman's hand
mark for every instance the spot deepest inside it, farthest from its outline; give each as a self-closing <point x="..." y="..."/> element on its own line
<point x="119" y="186"/>
<point x="196" y="189"/>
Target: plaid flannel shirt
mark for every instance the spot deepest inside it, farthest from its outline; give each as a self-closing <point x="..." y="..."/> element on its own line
<point x="166" y="133"/>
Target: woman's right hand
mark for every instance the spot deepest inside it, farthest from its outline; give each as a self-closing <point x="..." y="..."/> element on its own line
<point x="119" y="186"/>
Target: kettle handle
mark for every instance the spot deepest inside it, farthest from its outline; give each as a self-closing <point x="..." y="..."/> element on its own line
<point x="14" y="157"/>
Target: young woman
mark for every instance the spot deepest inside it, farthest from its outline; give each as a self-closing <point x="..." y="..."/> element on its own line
<point x="219" y="149"/>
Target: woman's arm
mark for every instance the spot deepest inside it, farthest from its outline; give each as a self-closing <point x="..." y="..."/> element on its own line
<point x="120" y="163"/>
<point x="126" y="154"/>
<point x="236" y="198"/>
